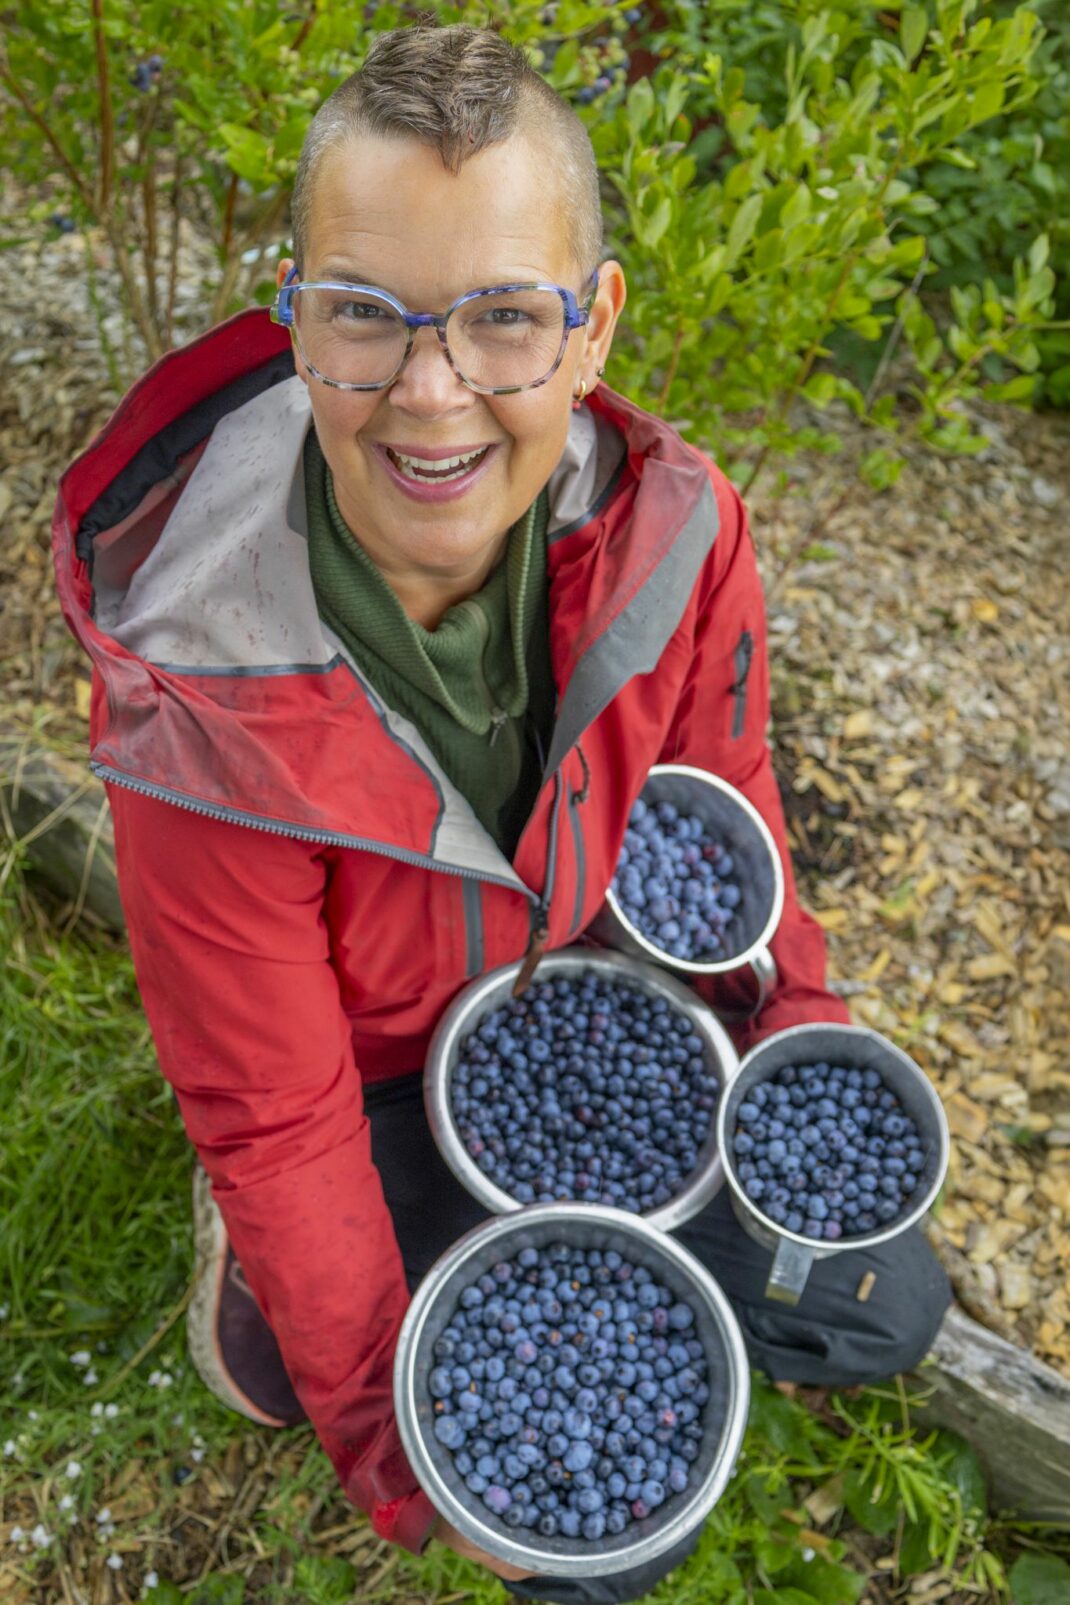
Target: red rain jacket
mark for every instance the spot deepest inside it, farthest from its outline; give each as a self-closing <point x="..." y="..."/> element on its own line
<point x="305" y="890"/>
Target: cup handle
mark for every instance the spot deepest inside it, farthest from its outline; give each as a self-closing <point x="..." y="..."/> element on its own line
<point x="789" y="1271"/>
<point x="763" y="968"/>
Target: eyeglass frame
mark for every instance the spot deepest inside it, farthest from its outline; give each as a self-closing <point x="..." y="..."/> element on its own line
<point x="576" y="317"/>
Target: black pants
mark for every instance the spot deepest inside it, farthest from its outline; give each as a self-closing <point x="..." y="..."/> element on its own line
<point x="828" y="1337"/>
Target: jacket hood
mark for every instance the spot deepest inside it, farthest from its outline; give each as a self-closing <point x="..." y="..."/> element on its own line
<point x="180" y="546"/>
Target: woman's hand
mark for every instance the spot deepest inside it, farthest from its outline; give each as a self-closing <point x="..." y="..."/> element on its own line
<point x="462" y="1546"/>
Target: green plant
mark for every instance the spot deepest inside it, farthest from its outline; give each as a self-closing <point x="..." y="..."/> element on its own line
<point x="806" y="232"/>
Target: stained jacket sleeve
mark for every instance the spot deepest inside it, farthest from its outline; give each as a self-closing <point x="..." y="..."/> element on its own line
<point x="231" y="955"/>
<point x="720" y="725"/>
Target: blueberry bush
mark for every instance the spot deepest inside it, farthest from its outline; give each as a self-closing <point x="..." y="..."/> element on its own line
<point x="775" y="188"/>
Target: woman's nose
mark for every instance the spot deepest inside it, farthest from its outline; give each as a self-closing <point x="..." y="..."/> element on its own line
<point x="427" y="378"/>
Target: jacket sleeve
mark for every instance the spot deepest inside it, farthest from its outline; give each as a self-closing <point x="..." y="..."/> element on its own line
<point x="720" y="725"/>
<point x="232" y="960"/>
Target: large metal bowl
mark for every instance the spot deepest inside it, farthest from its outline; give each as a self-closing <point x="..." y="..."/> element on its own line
<point x="585" y="1226"/>
<point x="858" y="1048"/>
<point x="467" y="1010"/>
<point x="732" y="819"/>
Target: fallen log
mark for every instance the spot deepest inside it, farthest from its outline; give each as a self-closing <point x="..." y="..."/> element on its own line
<point x="1013" y="1410"/>
<point x="56" y="811"/>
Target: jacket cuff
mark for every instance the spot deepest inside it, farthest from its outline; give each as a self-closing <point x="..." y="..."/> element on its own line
<point x="406" y="1521"/>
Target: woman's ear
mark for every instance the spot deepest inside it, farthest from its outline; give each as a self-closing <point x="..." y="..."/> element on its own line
<point x="285" y="264"/>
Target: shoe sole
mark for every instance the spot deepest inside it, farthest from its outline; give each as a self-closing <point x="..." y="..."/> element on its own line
<point x="210" y="1241"/>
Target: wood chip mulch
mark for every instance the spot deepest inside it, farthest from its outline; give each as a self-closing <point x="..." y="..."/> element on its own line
<point x="921" y="691"/>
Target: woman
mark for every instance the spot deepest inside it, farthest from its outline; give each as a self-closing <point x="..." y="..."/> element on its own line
<point x="390" y="617"/>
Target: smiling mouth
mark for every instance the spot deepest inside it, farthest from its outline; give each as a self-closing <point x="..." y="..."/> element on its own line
<point x="411" y="470"/>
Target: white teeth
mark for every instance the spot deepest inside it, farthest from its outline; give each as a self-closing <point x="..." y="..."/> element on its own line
<point x="436" y="466"/>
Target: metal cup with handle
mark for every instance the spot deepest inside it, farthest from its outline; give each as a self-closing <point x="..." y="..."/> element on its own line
<point x="856" y="1048"/>
<point x="731" y="819"/>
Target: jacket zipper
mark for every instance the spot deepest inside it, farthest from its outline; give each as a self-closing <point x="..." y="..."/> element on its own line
<point x="540" y="913"/>
<point x="743" y="655"/>
<point x="236" y="816"/>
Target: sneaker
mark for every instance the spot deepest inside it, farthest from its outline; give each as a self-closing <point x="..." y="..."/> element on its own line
<point x="231" y="1345"/>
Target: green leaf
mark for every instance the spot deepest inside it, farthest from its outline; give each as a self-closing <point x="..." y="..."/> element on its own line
<point x="825" y="1580"/>
<point x="797" y="208"/>
<point x="773" y="1556"/>
<point x="915" y="1553"/>
<point x="329" y="1578"/>
<point x="783" y="1596"/>
<point x="743" y="225"/>
<point x="913" y="28"/>
<point x="218" y="1589"/>
<point x="1040" y="1580"/>
<point x="962" y="1467"/>
<point x="880" y="1517"/>
<point x="781" y="1422"/>
<point x="164" y="1594"/>
<point x="1038" y="253"/>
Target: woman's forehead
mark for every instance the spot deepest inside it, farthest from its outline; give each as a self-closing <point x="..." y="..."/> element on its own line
<point x="391" y="207"/>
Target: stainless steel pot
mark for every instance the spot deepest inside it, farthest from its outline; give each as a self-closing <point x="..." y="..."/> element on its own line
<point x="732" y="819"/>
<point x="486" y="993"/>
<point x="857" y="1048"/>
<point x="725" y="1414"/>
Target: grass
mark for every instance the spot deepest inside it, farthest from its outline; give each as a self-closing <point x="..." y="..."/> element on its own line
<point x="119" y="1460"/>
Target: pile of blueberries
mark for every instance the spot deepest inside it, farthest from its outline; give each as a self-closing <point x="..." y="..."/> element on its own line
<point x="673" y="882"/>
<point x="568" y="1385"/>
<point x="586" y="1088"/>
<point x="827" y="1151"/>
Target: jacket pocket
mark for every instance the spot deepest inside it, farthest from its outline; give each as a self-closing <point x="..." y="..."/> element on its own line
<point x="743" y="654"/>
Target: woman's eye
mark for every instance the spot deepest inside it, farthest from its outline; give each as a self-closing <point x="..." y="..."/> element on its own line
<point x="363" y="310"/>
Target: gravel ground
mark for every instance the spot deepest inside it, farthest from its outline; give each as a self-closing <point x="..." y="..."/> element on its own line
<point x="919" y="662"/>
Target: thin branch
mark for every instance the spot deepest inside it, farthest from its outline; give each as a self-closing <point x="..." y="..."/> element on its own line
<point x="107" y="125"/>
<point x="84" y="195"/>
<point x="674" y="362"/>
<point x="228" y="214"/>
<point x="896" y="332"/>
<point x="172" y="274"/>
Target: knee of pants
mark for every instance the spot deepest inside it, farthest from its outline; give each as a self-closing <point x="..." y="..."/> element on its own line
<point x="839" y="1341"/>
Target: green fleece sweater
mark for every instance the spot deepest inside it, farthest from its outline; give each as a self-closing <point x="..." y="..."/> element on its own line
<point x="478" y="687"/>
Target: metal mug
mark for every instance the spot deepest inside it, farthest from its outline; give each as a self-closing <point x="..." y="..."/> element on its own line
<point x="857" y="1048"/>
<point x="488" y="991"/>
<point x="724" y="1418"/>
<point x="733" y="820"/>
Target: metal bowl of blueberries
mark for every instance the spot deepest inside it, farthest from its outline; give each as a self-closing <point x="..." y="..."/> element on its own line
<point x="599" y="1085"/>
<point x="571" y="1389"/>
<point x="699" y="885"/>
<point x="833" y="1139"/>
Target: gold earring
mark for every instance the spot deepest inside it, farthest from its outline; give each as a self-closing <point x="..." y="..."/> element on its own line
<point x="579" y="395"/>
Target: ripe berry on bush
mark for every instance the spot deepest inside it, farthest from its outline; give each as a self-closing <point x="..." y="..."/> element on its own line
<point x="593" y="1459"/>
<point x="840" y="1155"/>
<point x="673" y="882"/>
<point x="586" y="1088"/>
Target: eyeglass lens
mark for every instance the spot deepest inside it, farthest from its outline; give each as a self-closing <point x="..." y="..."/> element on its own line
<point x="496" y="340"/>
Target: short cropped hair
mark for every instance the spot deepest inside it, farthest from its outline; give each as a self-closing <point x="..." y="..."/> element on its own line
<point x="458" y="89"/>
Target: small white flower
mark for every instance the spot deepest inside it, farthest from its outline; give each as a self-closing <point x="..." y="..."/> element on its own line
<point x="104" y="1514"/>
<point x="808" y="1554"/>
<point x="154" y="1379"/>
<point x="196" y="1455"/>
<point x="111" y="1411"/>
<point x="9" y="1446"/>
<point x="3" y="1312"/>
<point x="177" y="1419"/>
<point x="94" y="1431"/>
<point x="151" y="1579"/>
<point x="115" y="1562"/>
<point x="82" y="1357"/>
<point x="166" y="1379"/>
<point x="90" y="1378"/>
<point x="40" y="1536"/>
<point x="32" y="1415"/>
<point x="16" y="1535"/>
<point x="97" y="1410"/>
<point x="67" y="1502"/>
<point x="73" y="1469"/>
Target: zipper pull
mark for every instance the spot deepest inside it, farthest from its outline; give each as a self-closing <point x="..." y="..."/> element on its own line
<point x="540" y="935"/>
<point x="497" y="719"/>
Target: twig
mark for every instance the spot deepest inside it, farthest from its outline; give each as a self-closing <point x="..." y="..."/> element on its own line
<point x="84" y="195"/>
<point x="87" y="869"/>
<point x="800" y="543"/>
<point x="107" y="128"/>
<point x="674" y="361"/>
<point x="172" y="275"/>
<point x="896" y="331"/>
<point x="147" y="1347"/>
